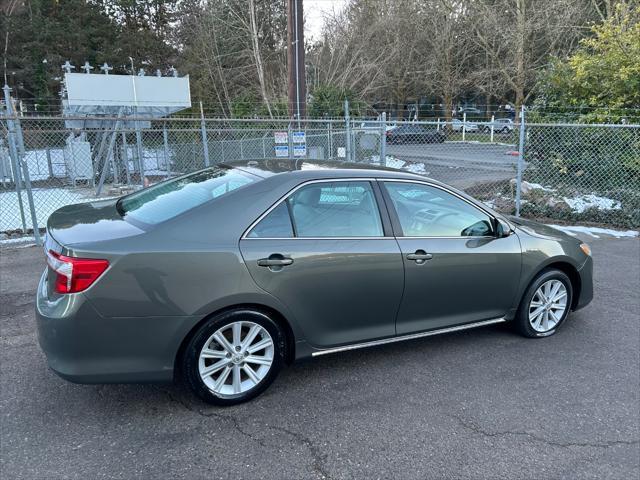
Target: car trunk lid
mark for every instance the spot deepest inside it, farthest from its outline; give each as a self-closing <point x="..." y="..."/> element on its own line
<point x="87" y="223"/>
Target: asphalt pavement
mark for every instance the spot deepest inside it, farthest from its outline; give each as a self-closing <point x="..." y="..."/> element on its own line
<point x="483" y="403"/>
<point x="461" y="164"/>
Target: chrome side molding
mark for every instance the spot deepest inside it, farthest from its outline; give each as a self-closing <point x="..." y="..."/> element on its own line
<point x="411" y="336"/>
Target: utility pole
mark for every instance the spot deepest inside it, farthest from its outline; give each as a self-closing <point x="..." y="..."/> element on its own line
<point x="295" y="60"/>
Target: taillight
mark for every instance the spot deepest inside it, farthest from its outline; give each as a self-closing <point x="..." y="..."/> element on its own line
<point x="74" y="274"/>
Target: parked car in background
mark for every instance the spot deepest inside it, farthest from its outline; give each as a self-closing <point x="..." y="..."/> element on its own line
<point x="415" y="134"/>
<point x="222" y="276"/>
<point x="456" y="126"/>
<point x="500" y="125"/>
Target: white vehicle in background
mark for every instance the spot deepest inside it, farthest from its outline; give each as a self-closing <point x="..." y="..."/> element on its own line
<point x="456" y="126"/>
<point x="500" y="125"/>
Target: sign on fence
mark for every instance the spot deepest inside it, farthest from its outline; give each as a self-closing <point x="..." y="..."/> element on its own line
<point x="282" y="150"/>
<point x="299" y="144"/>
<point x="300" y="150"/>
<point x="280" y="137"/>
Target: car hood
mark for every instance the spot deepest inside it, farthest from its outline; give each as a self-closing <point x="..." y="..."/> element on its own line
<point x="539" y="230"/>
<point x="89" y="222"/>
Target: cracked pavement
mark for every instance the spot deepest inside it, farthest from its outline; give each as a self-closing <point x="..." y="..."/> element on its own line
<point x="483" y="403"/>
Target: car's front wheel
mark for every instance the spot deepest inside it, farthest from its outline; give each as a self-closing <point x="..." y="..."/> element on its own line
<point x="233" y="357"/>
<point x="545" y="305"/>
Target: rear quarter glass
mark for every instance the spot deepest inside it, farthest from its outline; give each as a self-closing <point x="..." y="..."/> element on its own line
<point x="169" y="199"/>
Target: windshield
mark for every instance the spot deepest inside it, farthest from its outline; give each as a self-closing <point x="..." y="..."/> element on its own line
<point x="173" y="197"/>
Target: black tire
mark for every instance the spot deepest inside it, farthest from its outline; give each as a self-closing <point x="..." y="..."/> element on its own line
<point x="190" y="358"/>
<point x="521" y="320"/>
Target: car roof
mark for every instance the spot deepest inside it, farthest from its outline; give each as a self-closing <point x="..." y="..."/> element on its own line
<point x="311" y="169"/>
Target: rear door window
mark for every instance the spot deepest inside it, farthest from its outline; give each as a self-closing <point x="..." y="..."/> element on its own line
<point x="335" y="209"/>
<point x="324" y="210"/>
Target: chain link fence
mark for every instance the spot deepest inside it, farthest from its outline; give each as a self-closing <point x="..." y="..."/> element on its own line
<point x="556" y="172"/>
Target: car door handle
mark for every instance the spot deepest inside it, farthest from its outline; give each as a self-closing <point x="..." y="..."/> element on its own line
<point x="273" y="261"/>
<point x="420" y="256"/>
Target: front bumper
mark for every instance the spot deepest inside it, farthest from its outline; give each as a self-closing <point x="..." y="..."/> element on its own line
<point x="586" y="284"/>
<point x="84" y="347"/>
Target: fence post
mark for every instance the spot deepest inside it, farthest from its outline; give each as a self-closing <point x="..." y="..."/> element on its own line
<point x="290" y="141"/>
<point x="19" y="160"/>
<point x="205" y="143"/>
<point x="383" y="140"/>
<point x="49" y="165"/>
<point x="125" y="157"/>
<point x="520" y="162"/>
<point x="165" y="146"/>
<point x="13" y="154"/>
<point x="140" y="150"/>
<point x="347" y="122"/>
<point x="493" y="121"/>
<point x="438" y="124"/>
<point x="464" y="125"/>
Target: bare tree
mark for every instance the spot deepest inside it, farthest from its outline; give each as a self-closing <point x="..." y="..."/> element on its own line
<point x="345" y="57"/>
<point x="235" y="48"/>
<point x="7" y="11"/>
<point x="519" y="38"/>
<point x="448" y="51"/>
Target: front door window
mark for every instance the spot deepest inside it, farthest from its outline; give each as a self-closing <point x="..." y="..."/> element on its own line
<point x="426" y="211"/>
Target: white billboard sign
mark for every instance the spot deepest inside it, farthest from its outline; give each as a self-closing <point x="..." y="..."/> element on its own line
<point x="127" y="91"/>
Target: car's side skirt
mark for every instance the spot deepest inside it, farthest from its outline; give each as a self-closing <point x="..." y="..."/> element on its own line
<point x="410" y="336"/>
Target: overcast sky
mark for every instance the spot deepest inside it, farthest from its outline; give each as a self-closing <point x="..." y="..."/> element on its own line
<point x="314" y="13"/>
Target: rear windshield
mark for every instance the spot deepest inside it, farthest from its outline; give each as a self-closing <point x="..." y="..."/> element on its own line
<point x="171" y="198"/>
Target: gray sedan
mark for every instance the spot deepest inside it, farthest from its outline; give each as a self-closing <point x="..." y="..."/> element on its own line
<point x="222" y="276"/>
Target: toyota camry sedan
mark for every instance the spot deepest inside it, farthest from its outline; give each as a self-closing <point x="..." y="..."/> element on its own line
<point x="220" y="277"/>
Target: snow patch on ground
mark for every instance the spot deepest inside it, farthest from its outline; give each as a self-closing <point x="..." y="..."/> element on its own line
<point x="19" y="240"/>
<point x="416" y="168"/>
<point x="583" y="202"/>
<point x="46" y="201"/>
<point x="393" y="162"/>
<point x="537" y="186"/>
<point x="526" y="187"/>
<point x="577" y="203"/>
<point x="596" y="231"/>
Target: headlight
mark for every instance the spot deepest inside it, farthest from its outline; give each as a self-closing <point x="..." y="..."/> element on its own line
<point x="585" y="248"/>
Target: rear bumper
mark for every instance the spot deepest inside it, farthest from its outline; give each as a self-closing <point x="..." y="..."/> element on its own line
<point x="586" y="284"/>
<point x="83" y="347"/>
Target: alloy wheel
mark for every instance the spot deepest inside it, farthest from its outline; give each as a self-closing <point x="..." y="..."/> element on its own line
<point x="548" y="306"/>
<point x="236" y="358"/>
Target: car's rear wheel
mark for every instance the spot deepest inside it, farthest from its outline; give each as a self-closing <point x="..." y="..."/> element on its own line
<point x="545" y="305"/>
<point x="233" y="357"/>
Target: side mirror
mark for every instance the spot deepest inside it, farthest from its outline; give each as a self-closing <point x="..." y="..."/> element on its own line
<point x="503" y="229"/>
